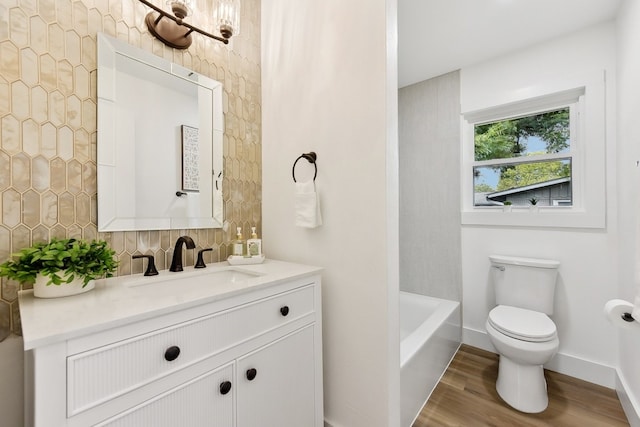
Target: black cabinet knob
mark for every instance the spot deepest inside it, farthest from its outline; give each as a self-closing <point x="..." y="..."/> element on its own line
<point x="284" y="310"/>
<point x="172" y="353"/>
<point x="251" y="374"/>
<point x="225" y="387"/>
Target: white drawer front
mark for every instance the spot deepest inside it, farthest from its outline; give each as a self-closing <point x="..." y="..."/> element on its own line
<point x="104" y="373"/>
<point x="199" y="402"/>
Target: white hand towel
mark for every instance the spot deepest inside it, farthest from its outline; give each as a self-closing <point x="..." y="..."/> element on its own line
<point x="307" y="205"/>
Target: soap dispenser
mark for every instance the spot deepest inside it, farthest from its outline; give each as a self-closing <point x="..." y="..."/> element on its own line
<point x="254" y="245"/>
<point x="238" y="246"/>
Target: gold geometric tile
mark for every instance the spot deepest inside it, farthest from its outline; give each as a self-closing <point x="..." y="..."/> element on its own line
<point x="58" y="175"/>
<point x="39" y="104"/>
<point x="74" y="176"/>
<point x="38" y="34"/>
<point x="21" y="171"/>
<point x="31" y="208"/>
<point x="57" y="108"/>
<point x="5" y="167"/>
<point x="95" y="19"/>
<point x="65" y="143"/>
<point x="82" y="85"/>
<point x="4" y="24"/>
<point x="9" y="61"/>
<point x="81" y="145"/>
<point x="74" y="111"/>
<point x="89" y="52"/>
<point x="64" y="13"/>
<point x="5" y="98"/>
<point x="41" y="173"/>
<point x="11" y="208"/>
<point x="80" y="17"/>
<point x="49" y="140"/>
<point x="65" y="77"/>
<point x="20" y="237"/>
<point x="56" y="38"/>
<point x="83" y="209"/>
<point x="49" y="209"/>
<point x="40" y="234"/>
<point x="109" y="26"/>
<point x="20" y="100"/>
<point x="5" y="242"/>
<point x="16" y="324"/>
<point x="66" y="209"/>
<point x="30" y="137"/>
<point x="18" y="28"/>
<point x="89" y="184"/>
<point x="72" y="47"/>
<point x="89" y="115"/>
<point x="48" y="72"/>
<point x="5" y="320"/>
<point x="29" y="66"/>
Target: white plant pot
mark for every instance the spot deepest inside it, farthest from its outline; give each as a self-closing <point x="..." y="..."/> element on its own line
<point x="42" y="290"/>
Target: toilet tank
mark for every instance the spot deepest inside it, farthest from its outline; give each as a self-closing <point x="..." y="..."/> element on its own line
<point x="524" y="282"/>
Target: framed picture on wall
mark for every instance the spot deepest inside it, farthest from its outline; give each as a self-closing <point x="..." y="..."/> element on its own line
<point x="190" y="159"/>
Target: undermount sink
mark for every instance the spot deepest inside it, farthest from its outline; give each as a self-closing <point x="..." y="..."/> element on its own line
<point x="211" y="277"/>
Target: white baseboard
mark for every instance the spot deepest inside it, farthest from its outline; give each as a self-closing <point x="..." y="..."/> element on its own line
<point x="563" y="363"/>
<point x="630" y="404"/>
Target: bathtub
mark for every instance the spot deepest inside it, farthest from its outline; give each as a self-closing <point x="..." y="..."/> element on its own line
<point x="430" y="334"/>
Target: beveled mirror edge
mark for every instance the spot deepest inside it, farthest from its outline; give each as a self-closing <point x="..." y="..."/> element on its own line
<point x="108" y="221"/>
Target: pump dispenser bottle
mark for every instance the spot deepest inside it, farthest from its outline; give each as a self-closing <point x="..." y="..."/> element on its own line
<point x="238" y="246"/>
<point x="254" y="245"/>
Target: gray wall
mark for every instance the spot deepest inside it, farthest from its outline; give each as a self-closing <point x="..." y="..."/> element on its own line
<point x="429" y="149"/>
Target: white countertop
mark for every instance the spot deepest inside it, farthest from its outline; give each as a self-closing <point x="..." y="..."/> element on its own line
<point x="119" y="300"/>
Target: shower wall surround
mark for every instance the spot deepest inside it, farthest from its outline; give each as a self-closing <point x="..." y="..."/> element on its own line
<point x="48" y="126"/>
<point x="429" y="152"/>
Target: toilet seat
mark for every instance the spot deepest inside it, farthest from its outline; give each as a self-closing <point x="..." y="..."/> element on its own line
<point x="522" y="324"/>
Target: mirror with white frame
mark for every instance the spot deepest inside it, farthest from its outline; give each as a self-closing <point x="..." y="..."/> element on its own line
<point x="159" y="147"/>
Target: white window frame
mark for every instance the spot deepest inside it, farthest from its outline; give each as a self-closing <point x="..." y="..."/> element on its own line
<point x="587" y="153"/>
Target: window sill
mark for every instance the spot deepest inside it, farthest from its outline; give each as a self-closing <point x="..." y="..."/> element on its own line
<point x="555" y="217"/>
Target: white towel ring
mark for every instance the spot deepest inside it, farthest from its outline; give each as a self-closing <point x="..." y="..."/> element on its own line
<point x="311" y="158"/>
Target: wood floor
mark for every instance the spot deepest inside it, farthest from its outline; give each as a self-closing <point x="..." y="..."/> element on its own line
<point x="466" y="397"/>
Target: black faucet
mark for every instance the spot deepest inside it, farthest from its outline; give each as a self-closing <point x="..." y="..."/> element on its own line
<point x="176" y="262"/>
<point x="151" y="266"/>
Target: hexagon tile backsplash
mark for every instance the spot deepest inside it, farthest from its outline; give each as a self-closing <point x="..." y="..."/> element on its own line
<point x="48" y="127"/>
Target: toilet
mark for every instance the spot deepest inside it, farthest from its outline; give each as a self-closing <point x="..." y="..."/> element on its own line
<point x="520" y="329"/>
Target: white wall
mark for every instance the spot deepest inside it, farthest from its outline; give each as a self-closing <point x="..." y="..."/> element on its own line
<point x="588" y="272"/>
<point x="330" y="86"/>
<point x="629" y="197"/>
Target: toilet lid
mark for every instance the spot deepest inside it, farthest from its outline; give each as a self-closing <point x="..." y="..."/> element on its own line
<point x="522" y="324"/>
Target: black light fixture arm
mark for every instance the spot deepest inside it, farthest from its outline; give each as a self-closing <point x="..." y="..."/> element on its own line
<point x="179" y="21"/>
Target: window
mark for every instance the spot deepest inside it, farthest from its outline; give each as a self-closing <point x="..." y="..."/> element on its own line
<point x="524" y="159"/>
<point x="548" y="149"/>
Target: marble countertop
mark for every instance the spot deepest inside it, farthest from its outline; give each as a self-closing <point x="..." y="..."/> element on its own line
<point x="119" y="300"/>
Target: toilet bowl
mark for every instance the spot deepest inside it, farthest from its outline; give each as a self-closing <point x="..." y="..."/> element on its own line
<point x="526" y="340"/>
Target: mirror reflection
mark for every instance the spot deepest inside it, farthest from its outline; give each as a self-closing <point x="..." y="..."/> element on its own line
<point x="160" y="130"/>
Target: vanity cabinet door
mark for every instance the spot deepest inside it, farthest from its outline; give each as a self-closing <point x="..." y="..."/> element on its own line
<point x="276" y="383"/>
<point x="205" y="401"/>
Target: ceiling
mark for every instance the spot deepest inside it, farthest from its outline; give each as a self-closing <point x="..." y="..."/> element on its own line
<point x="439" y="36"/>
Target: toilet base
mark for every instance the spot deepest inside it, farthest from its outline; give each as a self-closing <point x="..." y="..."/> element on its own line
<point x="522" y="386"/>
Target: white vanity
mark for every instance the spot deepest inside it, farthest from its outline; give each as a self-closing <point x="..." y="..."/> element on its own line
<point x="222" y="346"/>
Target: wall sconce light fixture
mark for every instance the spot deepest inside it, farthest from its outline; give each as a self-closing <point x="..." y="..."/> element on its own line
<point x="174" y="32"/>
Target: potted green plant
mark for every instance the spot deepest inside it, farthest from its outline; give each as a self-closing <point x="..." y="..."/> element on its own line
<point x="61" y="267"/>
<point x="506" y="206"/>
<point x="534" y="205"/>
